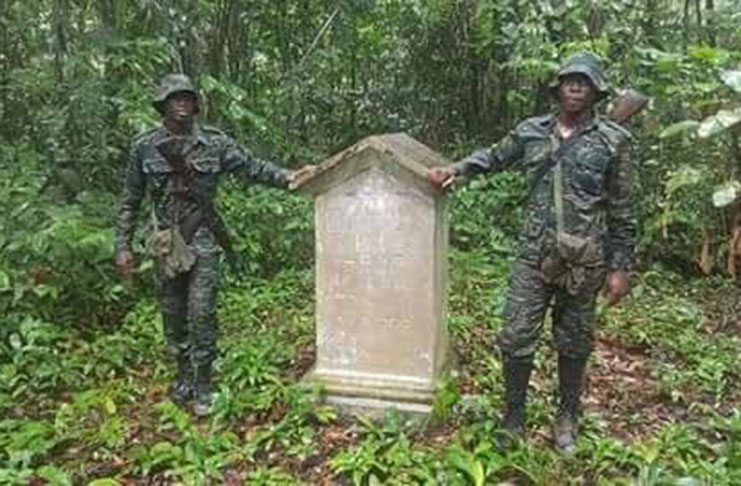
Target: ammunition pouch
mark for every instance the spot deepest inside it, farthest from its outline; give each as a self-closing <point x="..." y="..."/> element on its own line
<point x="171" y="252"/>
<point x="576" y="264"/>
<point x="212" y="220"/>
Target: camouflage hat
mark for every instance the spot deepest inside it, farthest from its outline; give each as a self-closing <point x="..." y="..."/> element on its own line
<point x="171" y="84"/>
<point x="588" y="64"/>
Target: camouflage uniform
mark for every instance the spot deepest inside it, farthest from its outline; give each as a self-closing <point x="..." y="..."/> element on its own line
<point x="595" y="173"/>
<point x="578" y="226"/>
<point x="188" y="301"/>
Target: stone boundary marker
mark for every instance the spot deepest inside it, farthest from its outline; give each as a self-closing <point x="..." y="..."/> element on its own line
<point x="381" y="279"/>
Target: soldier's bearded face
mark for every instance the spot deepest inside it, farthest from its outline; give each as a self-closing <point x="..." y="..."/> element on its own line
<point x="576" y="93"/>
<point x="181" y="107"/>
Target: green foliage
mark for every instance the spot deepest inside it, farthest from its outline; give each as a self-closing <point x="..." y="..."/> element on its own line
<point x="263" y="476"/>
<point x="294" y="433"/>
<point x="298" y="82"/>
<point x="112" y="413"/>
<point x="83" y="373"/>
<point x="486" y="214"/>
<point x="686" y="155"/>
<point x="676" y="335"/>
<point x="56" y="255"/>
<point x="386" y="456"/>
<point x="271" y="231"/>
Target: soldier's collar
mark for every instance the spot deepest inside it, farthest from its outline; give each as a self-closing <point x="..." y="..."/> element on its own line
<point x="199" y="135"/>
<point x="586" y="124"/>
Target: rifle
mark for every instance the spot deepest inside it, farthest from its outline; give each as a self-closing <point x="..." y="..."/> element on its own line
<point x="173" y="150"/>
<point x="628" y="103"/>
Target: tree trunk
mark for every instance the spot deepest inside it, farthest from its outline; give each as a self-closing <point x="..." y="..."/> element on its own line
<point x="6" y="54"/>
<point x="60" y="13"/>
<point x="710" y="22"/>
<point x="698" y="13"/>
<point x="686" y="22"/>
<point x="594" y="23"/>
<point x="109" y="27"/>
<point x="191" y="58"/>
<point x="650" y="29"/>
<point x="220" y="34"/>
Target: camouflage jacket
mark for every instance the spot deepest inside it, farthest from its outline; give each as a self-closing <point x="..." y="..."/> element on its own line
<point x="210" y="154"/>
<point x="595" y="165"/>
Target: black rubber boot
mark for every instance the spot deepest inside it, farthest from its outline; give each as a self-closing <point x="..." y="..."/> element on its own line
<point x="570" y="384"/>
<point x="516" y="379"/>
<point x="203" y="390"/>
<point x="182" y="390"/>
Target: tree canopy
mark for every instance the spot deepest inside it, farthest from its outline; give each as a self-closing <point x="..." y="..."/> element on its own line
<point x="297" y="81"/>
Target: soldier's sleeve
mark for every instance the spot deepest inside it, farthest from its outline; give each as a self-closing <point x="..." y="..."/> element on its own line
<point x="621" y="223"/>
<point x="248" y="168"/>
<point x="134" y="188"/>
<point x="501" y="156"/>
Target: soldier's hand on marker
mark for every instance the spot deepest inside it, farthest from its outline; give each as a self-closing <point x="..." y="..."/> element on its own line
<point x="301" y="173"/>
<point x="617" y="286"/>
<point x="442" y="177"/>
<point x="125" y="262"/>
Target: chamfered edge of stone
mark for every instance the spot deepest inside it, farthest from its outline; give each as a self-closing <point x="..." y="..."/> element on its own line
<point x="358" y="399"/>
<point x="399" y="149"/>
<point x="389" y="389"/>
<point x="401" y="388"/>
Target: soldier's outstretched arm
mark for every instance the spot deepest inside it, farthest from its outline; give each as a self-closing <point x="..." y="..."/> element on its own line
<point x="248" y="168"/>
<point x="500" y="156"/>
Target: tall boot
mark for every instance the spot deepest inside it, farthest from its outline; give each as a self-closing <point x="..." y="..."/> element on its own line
<point x="516" y="379"/>
<point x="571" y="381"/>
<point x="203" y="390"/>
<point x="182" y="390"/>
<point x="176" y="331"/>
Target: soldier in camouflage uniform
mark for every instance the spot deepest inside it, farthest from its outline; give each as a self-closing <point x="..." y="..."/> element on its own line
<point x="187" y="262"/>
<point x="578" y="235"/>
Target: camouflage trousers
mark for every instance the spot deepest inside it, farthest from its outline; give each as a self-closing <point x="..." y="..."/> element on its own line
<point x="528" y="300"/>
<point x="189" y="303"/>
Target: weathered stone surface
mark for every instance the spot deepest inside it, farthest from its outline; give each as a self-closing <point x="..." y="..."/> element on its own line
<point x="381" y="241"/>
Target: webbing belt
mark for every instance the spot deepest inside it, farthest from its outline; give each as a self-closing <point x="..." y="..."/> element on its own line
<point x="558" y="189"/>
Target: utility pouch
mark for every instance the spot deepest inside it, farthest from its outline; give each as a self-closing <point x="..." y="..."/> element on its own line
<point x="572" y="263"/>
<point x="171" y="252"/>
<point x="572" y="248"/>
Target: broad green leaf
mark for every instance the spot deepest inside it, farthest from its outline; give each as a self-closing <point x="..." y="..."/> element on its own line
<point x="705" y="52"/>
<point x="682" y="177"/>
<point x="110" y="406"/>
<point x="104" y="482"/>
<point x="733" y="79"/>
<point x="4" y="281"/>
<point x="726" y="194"/>
<point x="54" y="475"/>
<point x="679" y="127"/>
<point x="469" y="464"/>
<point x="688" y="481"/>
<point x="720" y="122"/>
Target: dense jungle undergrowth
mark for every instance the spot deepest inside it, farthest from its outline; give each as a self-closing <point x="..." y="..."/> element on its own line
<point x="83" y="391"/>
<point x="83" y="368"/>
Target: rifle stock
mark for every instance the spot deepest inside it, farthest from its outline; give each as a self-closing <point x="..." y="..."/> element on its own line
<point x="626" y="105"/>
<point x="173" y="150"/>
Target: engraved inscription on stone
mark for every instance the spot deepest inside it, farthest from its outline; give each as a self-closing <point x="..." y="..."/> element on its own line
<point x="381" y="238"/>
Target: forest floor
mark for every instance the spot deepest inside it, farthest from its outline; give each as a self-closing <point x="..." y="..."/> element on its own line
<point x="90" y="406"/>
